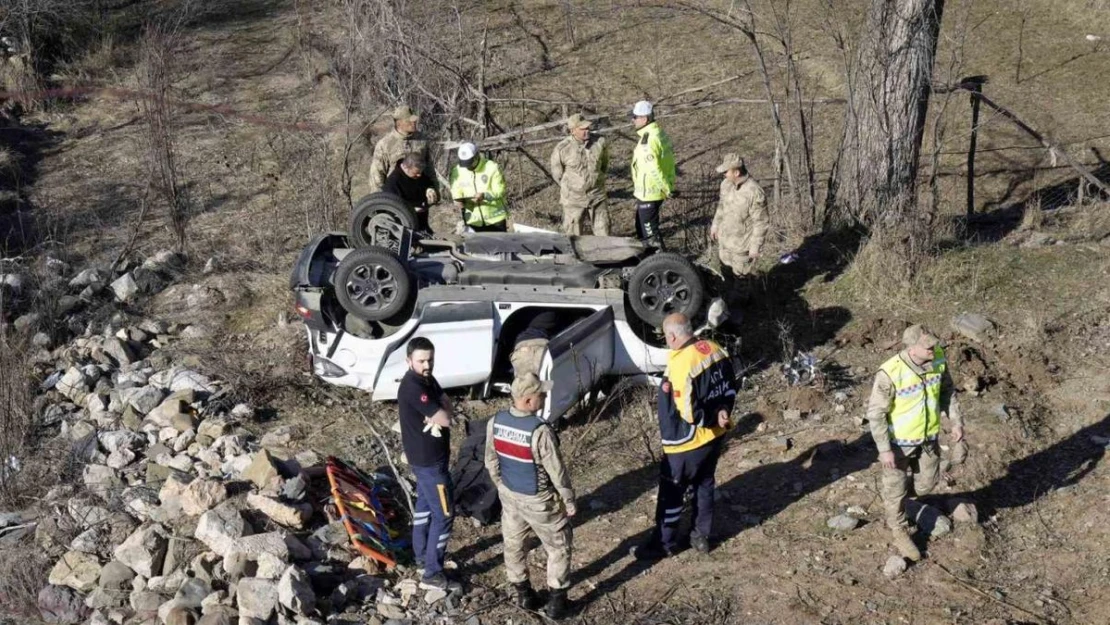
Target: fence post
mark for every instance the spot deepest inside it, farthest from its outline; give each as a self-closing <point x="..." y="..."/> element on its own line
<point x="975" y="85"/>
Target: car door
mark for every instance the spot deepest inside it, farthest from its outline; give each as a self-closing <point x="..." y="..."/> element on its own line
<point x="463" y="337"/>
<point x="576" y="359"/>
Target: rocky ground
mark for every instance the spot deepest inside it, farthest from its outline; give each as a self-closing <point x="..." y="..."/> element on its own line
<point x="179" y="514"/>
<point x="179" y="503"/>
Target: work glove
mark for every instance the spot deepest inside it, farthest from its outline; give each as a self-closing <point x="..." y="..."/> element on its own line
<point x="431" y="196"/>
<point x="434" y="428"/>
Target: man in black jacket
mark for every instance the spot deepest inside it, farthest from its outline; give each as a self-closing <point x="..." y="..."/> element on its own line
<point x="426" y="415"/>
<point x="408" y="182"/>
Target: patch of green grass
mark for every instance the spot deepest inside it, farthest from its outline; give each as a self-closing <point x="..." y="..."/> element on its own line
<point x="1003" y="282"/>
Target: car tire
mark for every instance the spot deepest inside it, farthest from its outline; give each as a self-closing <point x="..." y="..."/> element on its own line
<point x="372" y="284"/>
<point x="663" y="284"/>
<point x="378" y="206"/>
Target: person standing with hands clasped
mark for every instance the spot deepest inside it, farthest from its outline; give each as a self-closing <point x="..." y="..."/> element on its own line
<point x="426" y="414"/>
<point x="695" y="403"/>
<point x="522" y="457"/>
<point x="912" y="391"/>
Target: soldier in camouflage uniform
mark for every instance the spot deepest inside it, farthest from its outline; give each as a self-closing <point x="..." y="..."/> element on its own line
<point x="740" y="225"/>
<point x="404" y="139"/>
<point x="523" y="459"/>
<point x="579" y="164"/>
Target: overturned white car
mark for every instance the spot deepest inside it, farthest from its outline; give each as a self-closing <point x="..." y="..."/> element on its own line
<point x="471" y="295"/>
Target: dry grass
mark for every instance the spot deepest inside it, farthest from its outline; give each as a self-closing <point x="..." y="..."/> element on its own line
<point x="25" y="569"/>
<point x="9" y="161"/>
<point x="17" y="422"/>
<point x="1032" y="217"/>
<point x="890" y="265"/>
<point x="100" y="64"/>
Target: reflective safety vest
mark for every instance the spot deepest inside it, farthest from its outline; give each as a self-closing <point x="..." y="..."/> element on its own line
<point x="915" y="412"/>
<point x="512" y="440"/>
<point x="653" y="166"/>
<point x="485" y="180"/>
<point x="697" y="384"/>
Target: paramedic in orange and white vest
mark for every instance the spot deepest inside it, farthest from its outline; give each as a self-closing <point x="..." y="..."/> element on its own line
<point x="695" y="407"/>
<point x="912" y="391"/>
<point x="523" y="459"/>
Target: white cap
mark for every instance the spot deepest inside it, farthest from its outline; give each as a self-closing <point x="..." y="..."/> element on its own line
<point x="642" y="109"/>
<point x="467" y="151"/>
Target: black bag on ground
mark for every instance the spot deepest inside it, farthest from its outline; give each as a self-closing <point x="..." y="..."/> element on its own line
<point x="475" y="493"/>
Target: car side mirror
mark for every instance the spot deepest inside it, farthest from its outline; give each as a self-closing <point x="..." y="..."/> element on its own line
<point x="715" y="316"/>
<point x="718" y="313"/>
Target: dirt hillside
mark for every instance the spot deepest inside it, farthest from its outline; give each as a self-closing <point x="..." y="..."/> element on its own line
<point x="265" y="170"/>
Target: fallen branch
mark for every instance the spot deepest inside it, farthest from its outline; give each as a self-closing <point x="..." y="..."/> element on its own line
<point x="1052" y="147"/>
<point x="389" y="458"/>
<point x="661" y="600"/>
<point x="12" y="528"/>
<point x="502" y="141"/>
<point x="703" y="87"/>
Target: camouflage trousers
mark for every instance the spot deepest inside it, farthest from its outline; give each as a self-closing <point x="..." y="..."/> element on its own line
<point x="527" y="356"/>
<point x="922" y="465"/>
<point x="595" y="212"/>
<point x="737" y="260"/>
<point x="544" y="516"/>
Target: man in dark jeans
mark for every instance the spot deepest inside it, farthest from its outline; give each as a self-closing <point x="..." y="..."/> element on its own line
<point x="695" y="406"/>
<point x="426" y="413"/>
<point x="408" y="182"/>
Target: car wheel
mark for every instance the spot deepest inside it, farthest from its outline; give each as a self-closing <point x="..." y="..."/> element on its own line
<point x="663" y="284"/>
<point x="375" y="210"/>
<point x="372" y="284"/>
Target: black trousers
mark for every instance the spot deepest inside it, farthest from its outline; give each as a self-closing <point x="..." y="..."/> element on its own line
<point x="422" y="224"/>
<point x="696" y="468"/>
<point x="501" y="226"/>
<point x="647" y="222"/>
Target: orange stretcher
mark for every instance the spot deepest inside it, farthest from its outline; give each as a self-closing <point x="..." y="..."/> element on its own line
<point x="373" y="518"/>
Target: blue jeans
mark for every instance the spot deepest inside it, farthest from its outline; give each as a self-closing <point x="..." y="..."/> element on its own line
<point x="696" y="468"/>
<point x="435" y="514"/>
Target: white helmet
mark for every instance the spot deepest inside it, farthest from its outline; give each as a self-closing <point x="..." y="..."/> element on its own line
<point x="467" y="151"/>
<point x="643" y="108"/>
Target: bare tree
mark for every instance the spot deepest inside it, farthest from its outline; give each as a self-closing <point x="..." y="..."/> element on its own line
<point x="873" y="180"/>
<point x="156" y="66"/>
<point x="399" y="52"/>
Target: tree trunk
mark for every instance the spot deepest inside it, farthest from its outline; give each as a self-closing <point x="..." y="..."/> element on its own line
<point x="873" y="181"/>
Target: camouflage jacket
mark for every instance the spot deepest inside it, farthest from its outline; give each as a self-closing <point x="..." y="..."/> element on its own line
<point x="580" y="169"/>
<point x="392" y="148"/>
<point x="741" y="220"/>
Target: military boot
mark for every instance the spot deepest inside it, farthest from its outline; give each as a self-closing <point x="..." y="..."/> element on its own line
<point x="556" y="608"/>
<point x="524" y="596"/>
<point x="903" y="542"/>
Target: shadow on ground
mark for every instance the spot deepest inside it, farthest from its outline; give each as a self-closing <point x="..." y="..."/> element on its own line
<point x="777" y="318"/>
<point x="765" y="491"/>
<point x="24" y="146"/>
<point x="1058" y="466"/>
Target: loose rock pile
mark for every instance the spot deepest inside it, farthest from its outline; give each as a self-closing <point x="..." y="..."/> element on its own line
<point x="182" y="516"/>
